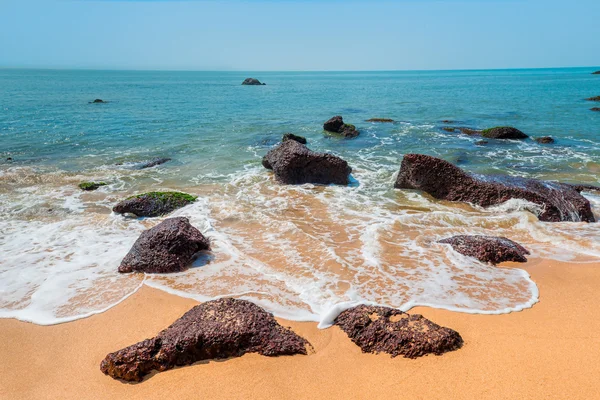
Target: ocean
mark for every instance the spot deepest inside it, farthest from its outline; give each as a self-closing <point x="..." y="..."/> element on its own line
<point x="303" y="252"/>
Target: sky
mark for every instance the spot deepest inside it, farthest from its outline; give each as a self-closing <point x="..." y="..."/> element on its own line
<point x="299" y="35"/>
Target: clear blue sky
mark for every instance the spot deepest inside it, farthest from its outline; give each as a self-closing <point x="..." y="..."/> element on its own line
<point x="300" y="34"/>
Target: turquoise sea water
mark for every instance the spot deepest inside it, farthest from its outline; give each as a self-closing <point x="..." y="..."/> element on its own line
<point x="301" y="251"/>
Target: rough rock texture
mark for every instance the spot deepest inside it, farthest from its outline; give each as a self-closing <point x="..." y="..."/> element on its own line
<point x="503" y="132"/>
<point x="89" y="186"/>
<point x="595" y="98"/>
<point x="382" y="329"/>
<point x="252" y="81"/>
<point x="168" y="247"/>
<point x="98" y="101"/>
<point x="595" y="109"/>
<point x="216" y="329"/>
<point x="291" y="136"/>
<point x="152" y="163"/>
<point x="336" y="125"/>
<point x="442" y="180"/>
<point x="153" y="204"/>
<point x="488" y="249"/>
<point x="380" y="120"/>
<point x="544" y="140"/>
<point x="294" y="163"/>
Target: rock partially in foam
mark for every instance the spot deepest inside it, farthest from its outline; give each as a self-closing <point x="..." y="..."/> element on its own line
<point x="216" y="329"/>
<point x="381" y="329"/>
<point x="293" y="163"/>
<point x="488" y="249"/>
<point x="152" y="163"/>
<point x="442" y="180"/>
<point x="153" y="204"/>
<point x="168" y="247"/>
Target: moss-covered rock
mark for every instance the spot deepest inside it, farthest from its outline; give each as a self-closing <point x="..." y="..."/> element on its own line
<point x="153" y="204"/>
<point x="89" y="186"/>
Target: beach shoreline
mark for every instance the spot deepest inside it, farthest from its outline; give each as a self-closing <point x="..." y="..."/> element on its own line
<point x="548" y="351"/>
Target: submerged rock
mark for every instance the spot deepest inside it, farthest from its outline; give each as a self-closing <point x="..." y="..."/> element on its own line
<point x="168" y="247"/>
<point x="98" y="101"/>
<point x="595" y="98"/>
<point x="488" y="249"/>
<point x="152" y="163"/>
<point x="291" y="136"/>
<point x="481" y="142"/>
<point x="442" y="180"/>
<point x="294" y="163"/>
<point x="153" y="204"/>
<point x="595" y="109"/>
<point x="89" y="186"/>
<point x="252" y="81"/>
<point x="544" y="140"/>
<point x="596" y="73"/>
<point x="381" y="329"/>
<point x="503" y="132"/>
<point x="380" y="120"/>
<point x="336" y="125"/>
<point x="216" y="329"/>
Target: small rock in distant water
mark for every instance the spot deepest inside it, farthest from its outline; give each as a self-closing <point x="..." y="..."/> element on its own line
<point x="291" y="136"/>
<point x="481" y="143"/>
<point x="9" y="159"/>
<point x="336" y="125"/>
<point x="503" y="132"/>
<point x="488" y="249"/>
<point x="380" y="120"/>
<point x="98" y="101"/>
<point x="382" y="329"/>
<point x="153" y="204"/>
<point x="217" y="329"/>
<point x="252" y="82"/>
<point x="595" y="98"/>
<point x="596" y="73"/>
<point x="168" y="247"/>
<point x="450" y="129"/>
<point x="544" y="140"/>
<point x="152" y="163"/>
<point x="595" y="109"/>
<point x="89" y="186"/>
<point x="294" y="163"/>
<point x="447" y="121"/>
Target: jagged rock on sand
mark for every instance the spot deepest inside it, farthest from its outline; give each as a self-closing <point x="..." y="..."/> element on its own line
<point x="336" y="125"/>
<point x="443" y="180"/>
<point x="488" y="249"/>
<point x="294" y="163"/>
<point x="167" y="247"/>
<point x="153" y="204"/>
<point x="216" y="329"/>
<point x="381" y="329"/>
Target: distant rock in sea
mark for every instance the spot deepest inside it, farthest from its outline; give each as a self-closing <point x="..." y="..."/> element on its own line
<point x="97" y="101"/>
<point x="336" y="125"/>
<point x="89" y="186"/>
<point x="488" y="249"/>
<point x="153" y="204"/>
<point x="544" y="140"/>
<point x="443" y="180"/>
<point x="596" y="73"/>
<point x="168" y="247"/>
<point x="503" y="132"/>
<point x="595" y="98"/>
<point x="380" y="120"/>
<point x="595" y="109"/>
<point x="152" y="163"/>
<point x="291" y="136"/>
<point x="386" y="330"/>
<point x="294" y="163"/>
<point x="217" y="329"/>
<point x="252" y="82"/>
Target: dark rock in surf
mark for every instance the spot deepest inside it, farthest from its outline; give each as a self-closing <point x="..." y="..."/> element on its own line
<point x="168" y="247"/>
<point x="291" y="136"/>
<point x="595" y="98"/>
<point x="152" y="163"/>
<point x="336" y="125"/>
<point x="544" y="140"/>
<point x="382" y="120"/>
<point x="481" y="142"/>
<point x="503" y="132"/>
<point x="488" y="249"/>
<point x="252" y="82"/>
<point x="442" y="180"/>
<point x="98" y="101"/>
<point x="153" y="204"/>
<point x="381" y="329"/>
<point x="294" y="163"/>
<point x="216" y="329"/>
<point x="90" y="186"/>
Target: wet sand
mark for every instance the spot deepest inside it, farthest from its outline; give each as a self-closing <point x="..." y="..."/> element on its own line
<point x="549" y="351"/>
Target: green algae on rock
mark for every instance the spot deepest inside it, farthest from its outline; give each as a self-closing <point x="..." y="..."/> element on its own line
<point x="89" y="186"/>
<point x="153" y="204"/>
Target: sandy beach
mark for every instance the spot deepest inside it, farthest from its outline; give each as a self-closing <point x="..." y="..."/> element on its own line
<point x="549" y="351"/>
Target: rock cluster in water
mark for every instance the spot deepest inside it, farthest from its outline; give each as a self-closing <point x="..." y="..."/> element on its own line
<point x="293" y="163"/>
<point x="252" y="82"/>
<point x="488" y="249"/>
<point x="381" y="329"/>
<point x="336" y="125"/>
<point x="168" y="247"/>
<point x="153" y="204"/>
<point x="442" y="180"/>
<point x="216" y="329"/>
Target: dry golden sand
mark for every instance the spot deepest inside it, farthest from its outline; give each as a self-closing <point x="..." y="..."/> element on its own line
<point x="549" y="351"/>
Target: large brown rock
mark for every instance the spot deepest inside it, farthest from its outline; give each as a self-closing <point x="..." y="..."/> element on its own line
<point x="336" y="125"/>
<point x="442" y="180"/>
<point x="381" y="329"/>
<point x="216" y="329"/>
<point x="488" y="249"/>
<point x="153" y="204"/>
<point x="168" y="247"/>
<point x="294" y="163"/>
